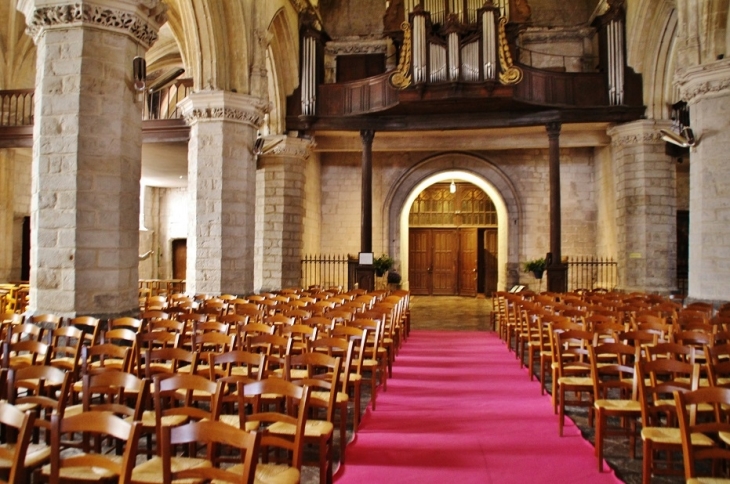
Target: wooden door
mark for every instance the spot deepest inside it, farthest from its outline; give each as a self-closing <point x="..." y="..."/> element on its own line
<point x="444" y="263"/>
<point x="419" y="261"/>
<point x="179" y="258"/>
<point x="490" y="261"/>
<point x="468" y="262"/>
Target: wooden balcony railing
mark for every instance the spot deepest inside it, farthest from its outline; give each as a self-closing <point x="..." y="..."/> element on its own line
<point x="16" y="107"/>
<point x="161" y="116"/>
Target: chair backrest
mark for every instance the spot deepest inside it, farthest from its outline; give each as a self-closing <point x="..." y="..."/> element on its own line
<point x="66" y="345"/>
<point x="89" y="325"/>
<point x="25" y="353"/>
<point x="296" y="406"/>
<point x="687" y="405"/>
<point x="110" y="391"/>
<point x="179" y="394"/>
<point x="100" y="424"/>
<point x="45" y="387"/>
<point x="275" y="347"/>
<point x="322" y="376"/>
<point x="210" y="433"/>
<point x="14" y="455"/>
<point x="613" y="368"/>
<point x="165" y="360"/>
<point x="105" y="357"/>
<point x="658" y="380"/>
<point x="132" y="324"/>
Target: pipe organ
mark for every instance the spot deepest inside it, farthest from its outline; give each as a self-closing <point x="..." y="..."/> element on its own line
<point x="466" y="48"/>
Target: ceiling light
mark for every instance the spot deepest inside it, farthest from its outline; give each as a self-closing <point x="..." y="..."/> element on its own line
<point x="452" y="187"/>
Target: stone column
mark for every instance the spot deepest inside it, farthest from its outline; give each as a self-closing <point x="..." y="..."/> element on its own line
<point x="281" y="183"/>
<point x="706" y="89"/>
<point x="7" y="209"/>
<point x="646" y="208"/>
<point x="87" y="140"/>
<point x="221" y="190"/>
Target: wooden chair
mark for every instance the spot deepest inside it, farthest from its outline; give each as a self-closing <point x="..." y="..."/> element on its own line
<point x="615" y="392"/>
<point x="91" y="465"/>
<point x="212" y="434"/>
<point x="342" y="348"/>
<point x="717" y="429"/>
<point x="42" y="388"/>
<point x="132" y="324"/>
<point x="15" y="460"/>
<point x="353" y="379"/>
<point x="571" y="359"/>
<point x="65" y="351"/>
<point x="373" y="363"/>
<point x="25" y="353"/>
<point x="658" y="379"/>
<point x="105" y="357"/>
<point x="322" y="376"/>
<point x="295" y="414"/>
<point x="47" y="323"/>
<point x="275" y="347"/>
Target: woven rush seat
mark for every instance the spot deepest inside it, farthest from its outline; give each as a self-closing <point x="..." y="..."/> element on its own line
<point x="272" y="474"/>
<point x="151" y="470"/>
<point x="233" y="421"/>
<point x="708" y="480"/>
<point x="620" y="405"/>
<point x="35" y="454"/>
<point x="668" y="435"/>
<point x="83" y="473"/>
<point x="313" y="428"/>
<point x="148" y="419"/>
<point x="576" y="380"/>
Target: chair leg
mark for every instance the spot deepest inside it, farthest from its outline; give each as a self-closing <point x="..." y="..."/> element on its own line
<point x="646" y="463"/>
<point x="600" y="430"/>
<point x="343" y="430"/>
<point x="561" y="412"/>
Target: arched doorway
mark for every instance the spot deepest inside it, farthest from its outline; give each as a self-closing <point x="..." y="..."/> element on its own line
<point x="452" y="241"/>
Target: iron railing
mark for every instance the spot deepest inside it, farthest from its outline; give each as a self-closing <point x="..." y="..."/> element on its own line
<point x="324" y="270"/>
<point x="592" y="273"/>
<point x="16" y="108"/>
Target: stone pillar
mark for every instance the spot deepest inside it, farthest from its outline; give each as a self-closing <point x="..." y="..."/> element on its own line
<point x="7" y="209"/>
<point x="87" y="140"/>
<point x="707" y="91"/>
<point x="646" y="208"/>
<point x="281" y="183"/>
<point x="221" y="190"/>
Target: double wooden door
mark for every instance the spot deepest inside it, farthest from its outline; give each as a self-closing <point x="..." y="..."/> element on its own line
<point x="443" y="261"/>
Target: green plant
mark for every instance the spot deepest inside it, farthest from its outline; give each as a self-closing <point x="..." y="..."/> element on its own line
<point x="536" y="266"/>
<point x="382" y="264"/>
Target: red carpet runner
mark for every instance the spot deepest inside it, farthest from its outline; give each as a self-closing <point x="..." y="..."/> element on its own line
<point x="459" y="410"/>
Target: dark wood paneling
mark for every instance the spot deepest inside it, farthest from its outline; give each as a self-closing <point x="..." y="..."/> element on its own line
<point x="445" y="251"/>
<point x="468" y="262"/>
<point x="419" y="261"/>
<point x="359" y="66"/>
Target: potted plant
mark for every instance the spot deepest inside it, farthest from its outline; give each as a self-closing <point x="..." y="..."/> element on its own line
<point x="536" y="266"/>
<point x="382" y="264"/>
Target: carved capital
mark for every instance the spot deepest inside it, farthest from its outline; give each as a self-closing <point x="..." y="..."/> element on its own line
<point x="140" y="20"/>
<point x="642" y="132"/>
<point x="705" y="81"/>
<point x="205" y="106"/>
<point x="285" y="146"/>
<point x="356" y="46"/>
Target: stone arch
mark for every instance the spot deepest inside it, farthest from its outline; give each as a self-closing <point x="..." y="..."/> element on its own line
<point x="213" y="43"/>
<point x="651" y="52"/>
<point x="282" y="67"/>
<point x="458" y="166"/>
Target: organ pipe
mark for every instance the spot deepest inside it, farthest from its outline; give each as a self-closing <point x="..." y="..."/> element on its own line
<point x="470" y="62"/>
<point x="453" y="56"/>
<point x="419" y="49"/>
<point x="489" y="45"/>
<point x="309" y="79"/>
<point x="615" y="36"/>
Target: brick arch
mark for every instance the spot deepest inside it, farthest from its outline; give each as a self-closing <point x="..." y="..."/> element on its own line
<point x="461" y="167"/>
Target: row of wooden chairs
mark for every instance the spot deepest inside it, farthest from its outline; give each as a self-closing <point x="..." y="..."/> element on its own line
<point x="617" y="370"/>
